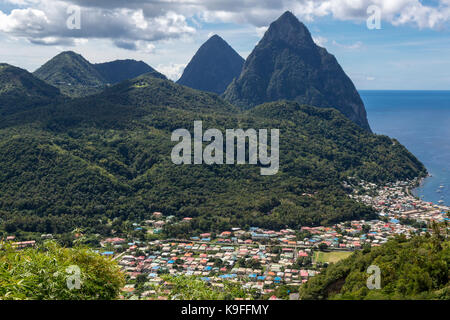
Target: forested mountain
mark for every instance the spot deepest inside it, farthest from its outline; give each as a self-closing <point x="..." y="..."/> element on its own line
<point x="77" y="77"/>
<point x="72" y="74"/>
<point x="410" y="269"/>
<point x="120" y="70"/>
<point x="20" y="90"/>
<point x="287" y="64"/>
<point x="99" y="160"/>
<point x="213" y="67"/>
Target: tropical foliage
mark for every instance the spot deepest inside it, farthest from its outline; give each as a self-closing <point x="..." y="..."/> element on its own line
<point x="193" y="288"/>
<point x="50" y="272"/>
<point x="410" y="269"/>
<point x="99" y="161"/>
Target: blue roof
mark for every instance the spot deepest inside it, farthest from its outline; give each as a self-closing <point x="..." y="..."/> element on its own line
<point x="277" y="279"/>
<point x="394" y="221"/>
<point x="207" y="268"/>
<point x="261" y="277"/>
<point x="252" y="275"/>
<point x="107" y="253"/>
<point x="205" y="279"/>
<point x="170" y="261"/>
<point x="152" y="275"/>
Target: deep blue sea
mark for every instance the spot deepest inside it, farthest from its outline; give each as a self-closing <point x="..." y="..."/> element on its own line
<point x="420" y="120"/>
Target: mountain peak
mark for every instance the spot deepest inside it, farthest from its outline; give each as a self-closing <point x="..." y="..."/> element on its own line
<point x="288" y="16"/>
<point x="70" y="53"/>
<point x="213" y="66"/>
<point x="75" y="76"/>
<point x="215" y="37"/>
<point x="287" y="65"/>
<point x="289" y="29"/>
<point x="119" y="70"/>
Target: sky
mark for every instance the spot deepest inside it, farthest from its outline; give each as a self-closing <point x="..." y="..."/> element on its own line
<point x="409" y="49"/>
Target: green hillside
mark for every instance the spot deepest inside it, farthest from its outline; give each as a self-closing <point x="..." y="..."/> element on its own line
<point x="100" y="160"/>
<point x="410" y="269"/>
<point x="20" y="91"/>
<point x="77" y="77"/>
<point x="72" y="74"/>
<point x="120" y="70"/>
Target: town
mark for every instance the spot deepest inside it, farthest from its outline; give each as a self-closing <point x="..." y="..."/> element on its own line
<point x="262" y="260"/>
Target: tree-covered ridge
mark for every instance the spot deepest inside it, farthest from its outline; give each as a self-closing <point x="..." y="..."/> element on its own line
<point x="50" y="272"/>
<point x="104" y="159"/>
<point x="77" y="77"/>
<point x="410" y="269"/>
<point x="72" y="74"/>
<point x="120" y="70"/>
<point x="20" y="91"/>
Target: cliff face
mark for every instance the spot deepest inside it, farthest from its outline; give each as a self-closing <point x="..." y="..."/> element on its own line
<point x="213" y="67"/>
<point x="287" y="64"/>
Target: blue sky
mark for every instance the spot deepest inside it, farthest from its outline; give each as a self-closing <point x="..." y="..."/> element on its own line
<point x="411" y="51"/>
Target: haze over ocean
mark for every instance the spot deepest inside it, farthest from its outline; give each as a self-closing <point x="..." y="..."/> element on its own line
<point x="420" y="120"/>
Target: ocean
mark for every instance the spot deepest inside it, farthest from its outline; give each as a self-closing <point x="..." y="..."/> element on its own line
<point x="420" y="120"/>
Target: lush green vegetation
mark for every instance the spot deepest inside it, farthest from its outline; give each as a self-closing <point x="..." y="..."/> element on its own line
<point x="72" y="74"/>
<point x="49" y="273"/>
<point x="410" y="269"/>
<point x="77" y="77"/>
<point x="99" y="161"/>
<point x="192" y="288"/>
<point x="120" y="70"/>
<point x="20" y="91"/>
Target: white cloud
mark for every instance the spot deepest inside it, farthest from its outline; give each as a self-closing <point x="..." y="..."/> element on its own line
<point x="172" y="71"/>
<point x="320" y="41"/>
<point x="261" y="30"/>
<point x="354" y="46"/>
<point x="127" y="22"/>
<point x="125" y="26"/>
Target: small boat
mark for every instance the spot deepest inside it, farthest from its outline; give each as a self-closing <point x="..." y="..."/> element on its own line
<point x="441" y="201"/>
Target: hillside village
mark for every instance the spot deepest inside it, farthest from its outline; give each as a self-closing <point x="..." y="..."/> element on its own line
<point x="259" y="259"/>
<point x="262" y="259"/>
